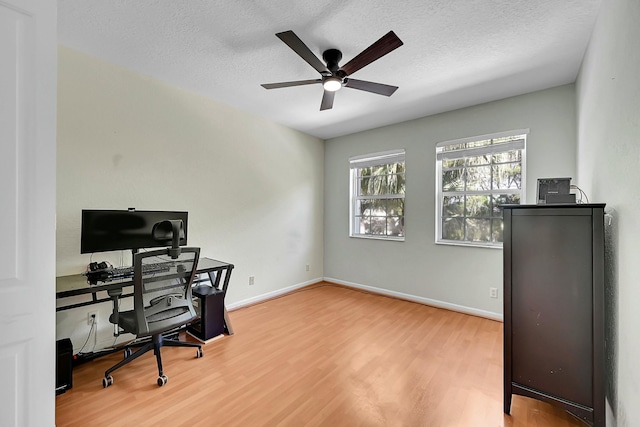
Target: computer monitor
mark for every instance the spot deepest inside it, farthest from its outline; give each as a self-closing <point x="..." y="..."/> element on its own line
<point x="113" y="230"/>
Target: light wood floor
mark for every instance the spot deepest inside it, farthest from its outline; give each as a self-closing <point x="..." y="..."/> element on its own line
<point x="325" y="356"/>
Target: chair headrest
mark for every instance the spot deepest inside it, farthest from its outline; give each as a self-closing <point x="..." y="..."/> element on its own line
<point x="169" y="230"/>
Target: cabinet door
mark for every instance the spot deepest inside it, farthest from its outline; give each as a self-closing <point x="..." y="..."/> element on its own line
<point x="552" y="337"/>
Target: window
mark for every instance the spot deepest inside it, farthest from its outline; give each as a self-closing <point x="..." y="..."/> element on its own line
<point x="474" y="177"/>
<point x="377" y="195"/>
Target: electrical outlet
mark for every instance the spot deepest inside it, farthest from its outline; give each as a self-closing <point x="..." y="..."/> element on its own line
<point x="252" y="280"/>
<point x="308" y="267"/>
<point x="493" y="292"/>
<point x="92" y="318"/>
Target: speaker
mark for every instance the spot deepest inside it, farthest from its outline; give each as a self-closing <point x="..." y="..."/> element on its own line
<point x="64" y="365"/>
<point x="561" y="199"/>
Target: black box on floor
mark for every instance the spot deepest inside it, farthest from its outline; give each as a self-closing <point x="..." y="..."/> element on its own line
<point x="64" y="365"/>
<point x="209" y="304"/>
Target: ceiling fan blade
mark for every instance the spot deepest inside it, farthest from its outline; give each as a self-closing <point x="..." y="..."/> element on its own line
<point x="384" y="45"/>
<point x="289" y="84"/>
<point x="379" y="88"/>
<point x="291" y="40"/>
<point x="327" y="100"/>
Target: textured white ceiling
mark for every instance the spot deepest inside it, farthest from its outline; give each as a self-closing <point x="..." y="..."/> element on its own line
<point x="456" y="53"/>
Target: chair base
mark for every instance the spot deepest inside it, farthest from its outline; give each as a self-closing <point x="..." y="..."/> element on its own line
<point x="156" y="343"/>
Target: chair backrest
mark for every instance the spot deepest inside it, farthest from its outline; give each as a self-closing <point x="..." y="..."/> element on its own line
<point x="162" y="289"/>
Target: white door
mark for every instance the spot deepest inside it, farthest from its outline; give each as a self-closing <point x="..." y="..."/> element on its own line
<point x="28" y="62"/>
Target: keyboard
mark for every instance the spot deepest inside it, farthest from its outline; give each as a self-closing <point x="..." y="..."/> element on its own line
<point x="125" y="272"/>
<point x="116" y="273"/>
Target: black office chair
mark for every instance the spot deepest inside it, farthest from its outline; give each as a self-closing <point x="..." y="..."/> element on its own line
<point x="162" y="301"/>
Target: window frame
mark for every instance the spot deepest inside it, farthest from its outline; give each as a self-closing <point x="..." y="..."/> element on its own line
<point x="482" y="150"/>
<point x="356" y="163"/>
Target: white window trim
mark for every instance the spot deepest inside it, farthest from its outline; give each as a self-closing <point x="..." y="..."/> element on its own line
<point x="440" y="194"/>
<point x="373" y="159"/>
<point x="367" y="160"/>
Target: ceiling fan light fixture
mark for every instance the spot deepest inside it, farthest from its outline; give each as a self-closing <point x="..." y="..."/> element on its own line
<point x="332" y="84"/>
<point x="332" y="76"/>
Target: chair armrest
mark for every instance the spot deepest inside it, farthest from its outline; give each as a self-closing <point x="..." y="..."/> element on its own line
<point x="115" y="295"/>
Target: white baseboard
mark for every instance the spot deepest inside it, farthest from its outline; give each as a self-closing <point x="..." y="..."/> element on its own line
<point x="421" y="300"/>
<point x="270" y="295"/>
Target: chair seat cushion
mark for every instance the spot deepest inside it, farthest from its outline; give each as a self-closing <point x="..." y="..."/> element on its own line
<point x="128" y="322"/>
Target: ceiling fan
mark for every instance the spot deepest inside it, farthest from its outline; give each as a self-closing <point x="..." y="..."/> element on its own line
<point x="334" y="76"/>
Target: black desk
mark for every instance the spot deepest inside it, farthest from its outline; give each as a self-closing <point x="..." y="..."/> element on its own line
<point x="217" y="274"/>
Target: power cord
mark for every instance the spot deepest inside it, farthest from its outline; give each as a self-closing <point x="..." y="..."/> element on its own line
<point x="582" y="193"/>
<point x="93" y="327"/>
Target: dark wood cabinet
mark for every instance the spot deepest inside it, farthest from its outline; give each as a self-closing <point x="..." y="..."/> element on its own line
<point x="554" y="307"/>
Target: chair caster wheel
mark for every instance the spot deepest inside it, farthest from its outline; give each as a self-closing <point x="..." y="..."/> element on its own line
<point x="199" y="353"/>
<point x="127" y="352"/>
<point x="107" y="381"/>
<point x="162" y="380"/>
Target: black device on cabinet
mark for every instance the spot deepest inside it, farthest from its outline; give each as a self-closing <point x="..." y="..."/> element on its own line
<point x="555" y="190"/>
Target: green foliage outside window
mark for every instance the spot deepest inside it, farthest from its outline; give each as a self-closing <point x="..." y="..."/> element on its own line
<point x="474" y="186"/>
<point x="379" y="204"/>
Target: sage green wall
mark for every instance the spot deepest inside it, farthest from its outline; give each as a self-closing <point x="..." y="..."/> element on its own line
<point x="449" y="276"/>
<point x="253" y="189"/>
<point x="608" y="110"/>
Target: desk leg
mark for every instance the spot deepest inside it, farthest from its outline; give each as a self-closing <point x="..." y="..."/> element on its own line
<point x="227" y="322"/>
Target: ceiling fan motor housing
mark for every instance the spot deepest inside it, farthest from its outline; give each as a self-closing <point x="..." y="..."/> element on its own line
<point x="332" y="57"/>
